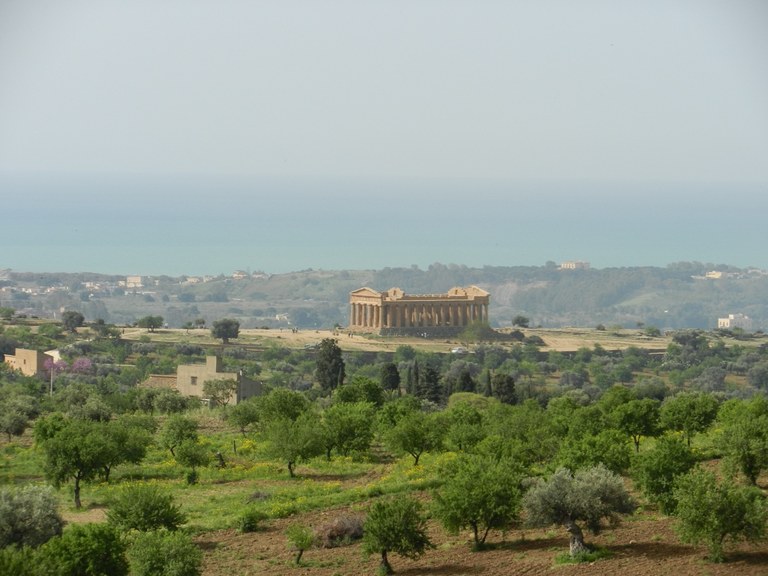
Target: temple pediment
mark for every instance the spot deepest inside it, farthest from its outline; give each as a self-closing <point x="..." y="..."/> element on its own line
<point x="366" y="292"/>
<point x="468" y="292"/>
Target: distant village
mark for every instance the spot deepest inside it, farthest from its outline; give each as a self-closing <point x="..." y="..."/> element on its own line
<point x="184" y="299"/>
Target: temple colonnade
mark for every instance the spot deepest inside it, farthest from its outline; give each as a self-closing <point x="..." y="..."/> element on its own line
<point x="393" y="309"/>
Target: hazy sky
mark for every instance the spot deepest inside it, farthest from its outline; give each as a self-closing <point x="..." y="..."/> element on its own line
<point x="599" y="90"/>
<point x="623" y="95"/>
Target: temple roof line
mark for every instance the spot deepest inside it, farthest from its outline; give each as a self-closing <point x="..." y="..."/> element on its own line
<point x="394" y="294"/>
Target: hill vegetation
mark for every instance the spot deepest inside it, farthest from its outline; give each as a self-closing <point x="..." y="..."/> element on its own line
<point x="681" y="295"/>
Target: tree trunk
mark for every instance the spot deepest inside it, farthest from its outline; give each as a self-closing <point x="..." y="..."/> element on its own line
<point x="78" y="504"/>
<point x="385" y="567"/>
<point x="577" y="539"/>
<point x="290" y="470"/>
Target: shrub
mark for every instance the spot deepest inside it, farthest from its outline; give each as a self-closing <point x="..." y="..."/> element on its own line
<point x="28" y="517"/>
<point x="163" y="553"/>
<point x="17" y="561"/>
<point x="144" y="508"/>
<point x="250" y="520"/>
<point x="84" y="550"/>
<point x="340" y="531"/>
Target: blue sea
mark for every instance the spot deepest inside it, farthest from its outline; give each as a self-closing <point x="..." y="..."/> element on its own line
<point x="195" y="225"/>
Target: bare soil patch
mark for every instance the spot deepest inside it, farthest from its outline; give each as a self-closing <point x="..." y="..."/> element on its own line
<point x="644" y="545"/>
<point x="559" y="339"/>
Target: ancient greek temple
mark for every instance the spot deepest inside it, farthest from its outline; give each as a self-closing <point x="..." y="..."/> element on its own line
<point x="395" y="312"/>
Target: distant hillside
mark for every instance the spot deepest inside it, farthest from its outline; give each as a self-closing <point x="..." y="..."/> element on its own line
<point x="682" y="295"/>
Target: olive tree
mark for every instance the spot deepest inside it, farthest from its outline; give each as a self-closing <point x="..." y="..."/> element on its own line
<point x="567" y="498"/>
<point x="395" y="525"/>
<point x="28" y="516"/>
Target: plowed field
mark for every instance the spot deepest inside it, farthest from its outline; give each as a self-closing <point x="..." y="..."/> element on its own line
<point x="644" y="545"/>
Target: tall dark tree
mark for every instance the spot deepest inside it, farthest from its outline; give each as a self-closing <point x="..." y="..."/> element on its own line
<point x="503" y="388"/>
<point x="389" y="376"/>
<point x="487" y="385"/>
<point x="226" y="329"/>
<point x="329" y="365"/>
<point x="428" y="387"/>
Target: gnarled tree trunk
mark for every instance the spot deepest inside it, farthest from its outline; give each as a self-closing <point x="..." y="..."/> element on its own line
<point x="577" y="538"/>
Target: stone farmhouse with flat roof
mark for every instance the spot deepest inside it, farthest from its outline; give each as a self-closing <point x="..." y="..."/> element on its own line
<point x="190" y="378"/>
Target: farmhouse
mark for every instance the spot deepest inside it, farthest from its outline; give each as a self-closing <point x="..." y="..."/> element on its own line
<point x="190" y="378"/>
<point x="29" y="362"/>
<point x="394" y="312"/>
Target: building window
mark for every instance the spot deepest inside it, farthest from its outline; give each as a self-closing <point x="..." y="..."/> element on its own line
<point x="193" y="380"/>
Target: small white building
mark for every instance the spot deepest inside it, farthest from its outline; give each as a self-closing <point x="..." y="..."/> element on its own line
<point x="574" y="265"/>
<point x="735" y="321"/>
